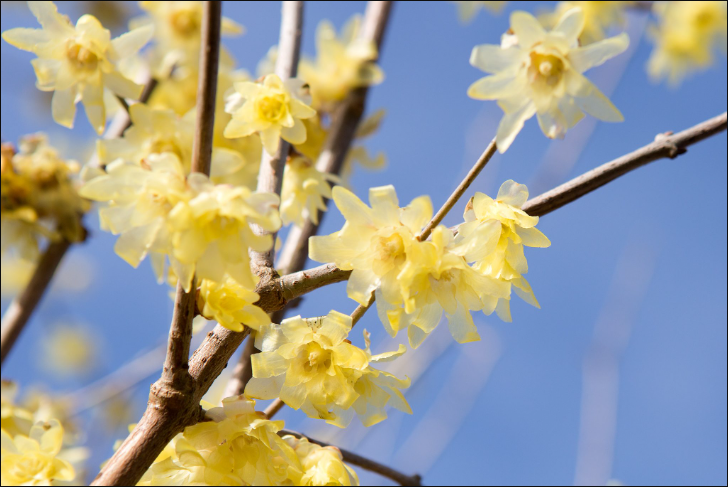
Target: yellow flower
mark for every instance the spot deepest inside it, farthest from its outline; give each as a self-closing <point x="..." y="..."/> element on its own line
<point x="77" y="63"/>
<point x="308" y="363"/>
<point x="437" y="278"/>
<point x="201" y="227"/>
<point x="377" y="389"/>
<point x="321" y="465"/>
<point x="177" y="31"/>
<point x="32" y="459"/>
<point x="536" y="72"/>
<point x="342" y="64"/>
<point x="373" y="242"/>
<point x="230" y="304"/>
<point x="509" y="229"/>
<point x="685" y="38"/>
<point x="304" y="190"/>
<point x="39" y="197"/>
<point x="211" y="233"/>
<point x="15" y="420"/>
<point x="598" y="17"/>
<point x="238" y="447"/>
<point x="273" y="109"/>
<point x="468" y="10"/>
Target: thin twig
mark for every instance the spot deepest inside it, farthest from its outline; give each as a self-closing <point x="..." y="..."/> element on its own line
<point x="173" y="403"/>
<point x="274" y="407"/>
<point x="22" y="307"/>
<point x="270" y="177"/>
<point x="460" y="190"/>
<point x="243" y="371"/>
<point x="665" y="146"/>
<point x="360" y="461"/>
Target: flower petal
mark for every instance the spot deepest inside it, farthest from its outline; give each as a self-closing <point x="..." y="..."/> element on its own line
<point x="494" y="59"/>
<point x="527" y="29"/>
<point x="595" y="54"/>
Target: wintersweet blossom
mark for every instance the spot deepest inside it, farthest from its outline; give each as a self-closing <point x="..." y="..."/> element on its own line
<point x="33" y="459"/>
<point x="685" y="38"/>
<point x="374" y="241"/>
<point x="177" y="33"/>
<point x="272" y="109"/>
<point x="308" y="363"/>
<point x="377" y="389"/>
<point x="598" y="18"/>
<point x="341" y="65"/>
<point x="514" y="229"/>
<point x="39" y="197"/>
<point x="200" y="227"/>
<point x="535" y="72"/>
<point x="156" y="131"/>
<point x="437" y="278"/>
<point x="230" y="304"/>
<point x="239" y="446"/>
<point x="304" y="190"/>
<point x="78" y="63"/>
<point x="321" y="465"/>
<point x="468" y="10"/>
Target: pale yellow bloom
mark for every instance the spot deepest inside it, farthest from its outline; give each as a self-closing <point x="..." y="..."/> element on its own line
<point x="177" y="33"/>
<point x="509" y="229"/>
<point x="230" y="304"/>
<point x="239" y="446"/>
<point x="685" y="38"/>
<point x="374" y="241"/>
<point x="535" y="72"/>
<point x="468" y="10"/>
<point x="33" y="459"/>
<point x="273" y="109"/>
<point x="437" y="278"/>
<point x="377" y="390"/>
<point x="304" y="190"/>
<point x="308" y="363"/>
<point x="15" y="420"/>
<point x="342" y="64"/>
<point x="39" y="197"/>
<point x="78" y="63"/>
<point x="201" y="227"/>
<point x="598" y="18"/>
<point x="321" y="465"/>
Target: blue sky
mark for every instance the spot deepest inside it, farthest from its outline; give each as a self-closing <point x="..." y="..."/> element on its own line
<point x="645" y="257"/>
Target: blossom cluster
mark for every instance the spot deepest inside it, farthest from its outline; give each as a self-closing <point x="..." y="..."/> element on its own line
<point x="415" y="281"/>
<point x="311" y="366"/>
<point x="39" y="198"/>
<point x="239" y="446"/>
<point x="35" y="446"/>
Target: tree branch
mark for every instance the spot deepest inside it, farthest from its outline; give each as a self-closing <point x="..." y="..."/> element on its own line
<point x="365" y="463"/>
<point x="270" y="177"/>
<point x="23" y="306"/>
<point x="665" y="146"/>
<point x="173" y="403"/>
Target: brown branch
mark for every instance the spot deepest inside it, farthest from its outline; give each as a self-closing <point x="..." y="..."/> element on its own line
<point x="173" y="403"/>
<point x="666" y="145"/>
<point x="270" y="177"/>
<point x="346" y="118"/>
<point x="22" y="307"/>
<point x="365" y="463"/>
<point x="274" y="407"/>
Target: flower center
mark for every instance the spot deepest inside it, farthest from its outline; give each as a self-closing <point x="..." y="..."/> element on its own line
<point x="390" y="247"/>
<point x="271" y="107"/>
<point x="81" y="57"/>
<point x="165" y="144"/>
<point x="186" y="23"/>
<point x="318" y="361"/>
<point x="546" y="69"/>
<point x="30" y="467"/>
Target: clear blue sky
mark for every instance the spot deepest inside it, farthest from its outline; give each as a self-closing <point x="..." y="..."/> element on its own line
<point x="514" y="417"/>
